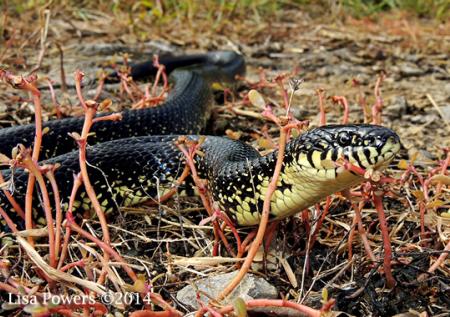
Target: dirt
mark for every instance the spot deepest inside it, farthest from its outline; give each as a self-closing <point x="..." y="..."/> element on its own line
<point x="343" y="57"/>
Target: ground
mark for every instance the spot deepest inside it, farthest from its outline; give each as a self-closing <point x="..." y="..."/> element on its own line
<point x="333" y="52"/>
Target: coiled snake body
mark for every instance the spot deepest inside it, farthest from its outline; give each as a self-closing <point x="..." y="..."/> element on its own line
<point x="130" y="165"/>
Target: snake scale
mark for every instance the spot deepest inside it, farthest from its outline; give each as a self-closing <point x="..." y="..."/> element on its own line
<point x="136" y="159"/>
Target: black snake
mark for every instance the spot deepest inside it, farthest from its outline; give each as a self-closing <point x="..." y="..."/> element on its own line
<point x="135" y="159"/>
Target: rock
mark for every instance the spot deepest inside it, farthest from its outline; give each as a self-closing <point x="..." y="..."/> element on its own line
<point x="252" y="287"/>
<point x="411" y="70"/>
<point x="446" y="112"/>
<point x="396" y="107"/>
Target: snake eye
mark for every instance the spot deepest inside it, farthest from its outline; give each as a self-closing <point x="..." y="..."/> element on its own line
<point x="344" y="139"/>
<point x="369" y="140"/>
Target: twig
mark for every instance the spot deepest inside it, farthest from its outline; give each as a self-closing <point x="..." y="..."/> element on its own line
<point x="61" y="67"/>
<point x="439" y="110"/>
<point x="44" y="33"/>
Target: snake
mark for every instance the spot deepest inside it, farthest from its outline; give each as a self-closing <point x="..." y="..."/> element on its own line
<point x="137" y="159"/>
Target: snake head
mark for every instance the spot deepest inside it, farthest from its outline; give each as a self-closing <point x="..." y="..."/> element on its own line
<point x="366" y="146"/>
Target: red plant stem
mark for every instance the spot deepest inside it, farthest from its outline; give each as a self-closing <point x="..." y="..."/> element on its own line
<point x="106" y="247"/>
<point x="31" y="165"/>
<point x="90" y="112"/>
<point x="422" y="209"/>
<point x="320" y="222"/>
<point x="77" y="181"/>
<point x="343" y="102"/>
<point x="284" y="135"/>
<point x="444" y="167"/>
<point x="202" y="190"/>
<point x="270" y="232"/>
<point x="246" y="241"/>
<point x="149" y="313"/>
<point x="390" y="281"/>
<point x="100" y="309"/>
<point x="174" y="188"/>
<point x="361" y="230"/>
<point x="321" y="94"/>
<point x="230" y="225"/>
<point x="35" y="156"/>
<point x="161" y="72"/>
<point x="101" y="84"/>
<point x="284" y="93"/>
<point x="8" y="288"/>
<point x="79" y="263"/>
<point x="58" y="225"/>
<point x="271" y="303"/>
<point x="441" y="259"/>
<point x="54" y="101"/>
<point x="8" y="220"/>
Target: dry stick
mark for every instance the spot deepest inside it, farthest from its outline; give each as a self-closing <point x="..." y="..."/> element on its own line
<point x="378" y="105"/>
<point x="44" y="33"/>
<point x="17" y="208"/>
<point x="61" y="66"/>
<point x="264" y="217"/>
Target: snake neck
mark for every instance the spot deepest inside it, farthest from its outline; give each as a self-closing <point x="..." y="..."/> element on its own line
<point x="239" y="179"/>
